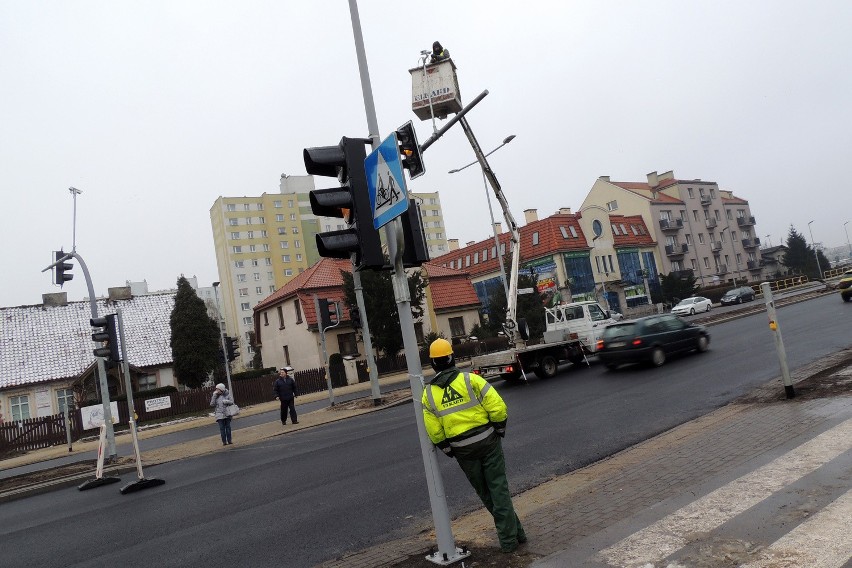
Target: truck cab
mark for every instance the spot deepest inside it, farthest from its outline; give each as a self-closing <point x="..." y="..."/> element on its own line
<point x="577" y="320"/>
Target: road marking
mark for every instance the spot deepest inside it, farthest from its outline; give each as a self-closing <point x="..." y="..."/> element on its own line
<point x="672" y="533"/>
<point x="823" y="541"/>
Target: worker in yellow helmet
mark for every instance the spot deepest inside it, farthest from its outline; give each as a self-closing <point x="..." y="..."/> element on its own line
<point x="466" y="418"/>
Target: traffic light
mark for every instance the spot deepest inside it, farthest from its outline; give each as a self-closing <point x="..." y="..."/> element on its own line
<point x="221" y="355"/>
<point x="355" y="317"/>
<point x="416" y="252"/>
<point x="233" y="346"/>
<point x="327" y="313"/>
<point x="409" y="150"/>
<point x="61" y="269"/>
<point x="350" y="202"/>
<point x="107" y="336"/>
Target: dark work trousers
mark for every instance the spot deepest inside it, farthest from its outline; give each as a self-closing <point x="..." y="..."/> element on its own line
<point x="225" y="429"/>
<point x="487" y="474"/>
<point x="288" y="404"/>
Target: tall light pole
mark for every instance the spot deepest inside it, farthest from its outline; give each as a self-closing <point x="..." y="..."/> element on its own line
<point x="506" y="140"/>
<point x="847" y="238"/>
<point x="222" y="337"/>
<point x="816" y="254"/>
<point x="769" y="238"/>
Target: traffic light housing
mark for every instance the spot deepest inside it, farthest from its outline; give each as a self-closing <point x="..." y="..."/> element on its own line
<point x="60" y="274"/>
<point x="355" y="318"/>
<point x="350" y="202"/>
<point x="107" y="336"/>
<point x="409" y="150"/>
<point x="233" y="346"/>
<point x="416" y="252"/>
<point x="327" y="313"/>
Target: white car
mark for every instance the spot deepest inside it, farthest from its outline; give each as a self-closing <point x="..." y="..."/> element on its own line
<point x="691" y="306"/>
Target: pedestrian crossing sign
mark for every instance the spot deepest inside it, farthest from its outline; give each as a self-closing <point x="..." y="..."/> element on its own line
<point x="385" y="182"/>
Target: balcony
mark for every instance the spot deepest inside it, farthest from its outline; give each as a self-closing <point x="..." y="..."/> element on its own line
<point x="671" y="224"/>
<point x="705" y="200"/>
<point x="716" y="246"/>
<point x="683" y="274"/>
<point x="756" y="265"/>
<point x="745" y="221"/>
<point x="751" y="243"/>
<point x="722" y="269"/>
<point x="676" y="249"/>
<point x="710" y="223"/>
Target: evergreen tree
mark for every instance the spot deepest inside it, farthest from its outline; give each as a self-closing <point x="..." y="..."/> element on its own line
<point x="801" y="257"/>
<point x="379" y="301"/>
<point x="195" y="337"/>
<point x="676" y="287"/>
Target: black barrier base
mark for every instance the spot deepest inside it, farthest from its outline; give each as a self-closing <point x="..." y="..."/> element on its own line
<point x="141" y="484"/>
<point x="97" y="482"/>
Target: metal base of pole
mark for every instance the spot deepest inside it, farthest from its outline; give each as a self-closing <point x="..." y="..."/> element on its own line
<point x="97" y="482"/>
<point x="445" y="560"/>
<point x="788" y="389"/>
<point x="141" y="484"/>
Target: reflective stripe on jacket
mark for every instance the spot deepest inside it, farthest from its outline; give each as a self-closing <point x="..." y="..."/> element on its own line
<point x="463" y="411"/>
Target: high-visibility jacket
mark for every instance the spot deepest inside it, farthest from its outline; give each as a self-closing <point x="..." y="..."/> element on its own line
<point x="461" y="411"/>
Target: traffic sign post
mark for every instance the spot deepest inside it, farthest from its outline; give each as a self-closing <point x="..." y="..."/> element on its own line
<point x="385" y="182"/>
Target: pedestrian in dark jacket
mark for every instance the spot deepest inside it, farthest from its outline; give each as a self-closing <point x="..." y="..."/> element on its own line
<point x="220" y="400"/>
<point x="286" y="391"/>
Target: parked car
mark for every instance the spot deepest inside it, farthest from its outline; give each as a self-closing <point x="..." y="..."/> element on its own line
<point x="650" y="339"/>
<point x="845" y="286"/>
<point x="692" y="305"/>
<point x="737" y="296"/>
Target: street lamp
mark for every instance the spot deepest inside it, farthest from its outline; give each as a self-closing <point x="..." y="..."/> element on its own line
<point x="769" y="239"/>
<point x="816" y="254"/>
<point x="222" y="337"/>
<point x="506" y="140"/>
<point x="847" y="238"/>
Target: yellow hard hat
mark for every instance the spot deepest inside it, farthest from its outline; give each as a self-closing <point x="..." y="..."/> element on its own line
<point x="440" y="348"/>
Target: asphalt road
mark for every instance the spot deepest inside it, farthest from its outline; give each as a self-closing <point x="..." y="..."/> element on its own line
<point x="299" y="500"/>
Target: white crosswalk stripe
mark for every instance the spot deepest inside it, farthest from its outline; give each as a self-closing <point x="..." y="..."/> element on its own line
<point x="670" y="534"/>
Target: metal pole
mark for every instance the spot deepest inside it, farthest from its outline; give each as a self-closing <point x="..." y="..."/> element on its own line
<point x="816" y="254"/>
<point x="75" y="192"/>
<point x="68" y="427"/>
<point x="125" y="367"/>
<point x="226" y="363"/>
<point x="375" y="391"/>
<point x="324" y="352"/>
<point x="437" y="497"/>
<point x="779" y="341"/>
<point x="496" y="238"/>
<point x="847" y="238"/>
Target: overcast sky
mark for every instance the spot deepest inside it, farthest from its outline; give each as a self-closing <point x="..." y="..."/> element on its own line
<point x="155" y="109"/>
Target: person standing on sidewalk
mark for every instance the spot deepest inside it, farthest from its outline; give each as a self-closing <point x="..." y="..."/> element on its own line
<point x="286" y="391"/>
<point x="465" y="417"/>
<point x="220" y="400"/>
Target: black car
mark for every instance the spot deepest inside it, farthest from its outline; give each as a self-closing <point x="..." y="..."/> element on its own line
<point x="650" y="340"/>
<point x="737" y="296"/>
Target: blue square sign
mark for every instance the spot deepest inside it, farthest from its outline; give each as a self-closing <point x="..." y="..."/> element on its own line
<point x="385" y="182"/>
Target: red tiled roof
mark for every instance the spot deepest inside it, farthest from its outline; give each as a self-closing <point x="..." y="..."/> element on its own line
<point x="323" y="274"/>
<point x="734" y="201"/>
<point x="631" y="239"/>
<point x="450" y="288"/>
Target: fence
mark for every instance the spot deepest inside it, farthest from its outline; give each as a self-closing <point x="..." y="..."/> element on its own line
<point x="36" y="433"/>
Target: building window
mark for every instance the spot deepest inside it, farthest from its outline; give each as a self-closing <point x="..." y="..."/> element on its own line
<point x="270" y="275"/>
<point x="299" y="257"/>
<point x="260" y="206"/>
<point x="247" y="320"/>
<point x="147" y="382"/>
<point x="238" y="264"/>
<point x="347" y="343"/>
<point x="243" y="292"/>
<point x="623" y="228"/>
<point x="614" y="228"/>
<point x="282" y="230"/>
<point x="292" y="216"/>
<point x="250" y="234"/>
<point x="261" y="220"/>
<point x="265" y="318"/>
<point x="277" y="204"/>
<point x="238" y="249"/>
<point x="706" y="262"/>
<point x="263" y="233"/>
<point x="252" y="248"/>
<point x="254" y="262"/>
<point x="241" y="277"/>
<point x="258" y="290"/>
<point x="690" y="193"/>
<point x="285" y="258"/>
<point x="65" y="399"/>
<point x="612" y="205"/>
<point x="235" y="235"/>
<point x="535" y="238"/>
<point x="279" y="218"/>
<point x="285" y="244"/>
<point x="467" y="261"/>
<point x="476" y="258"/>
<point x="694" y="263"/>
<point x="297" y="305"/>
<point x="295" y="230"/>
<point x="256" y="276"/>
<point x="231" y="207"/>
<point x="280" y="317"/>
<point x="457" y="327"/>
<point x="695" y="214"/>
<point x="286" y="354"/>
<point x="268" y="261"/>
<point x="573" y="231"/>
<point x="271" y="289"/>
<point x="265" y="248"/>
<point x="233" y="222"/>
<point x="288" y="272"/>
<point x="20" y="407"/>
<point x="244" y="306"/>
<point x="297" y="243"/>
<point x="688" y="239"/>
<point x="701" y="238"/>
<point x="248" y="221"/>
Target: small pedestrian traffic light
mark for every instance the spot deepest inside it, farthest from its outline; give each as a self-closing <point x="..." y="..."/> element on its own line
<point x="416" y="251"/>
<point x="107" y="336"/>
<point x="409" y="150"/>
<point x="328" y="313"/>
<point x="350" y="202"/>
<point x="355" y="317"/>
<point x="60" y="271"/>
<point x="233" y="345"/>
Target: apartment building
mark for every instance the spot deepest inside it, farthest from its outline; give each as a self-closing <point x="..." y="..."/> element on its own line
<point x="697" y="226"/>
<point x="432" y="217"/>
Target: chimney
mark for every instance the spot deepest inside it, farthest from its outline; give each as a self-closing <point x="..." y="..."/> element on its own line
<point x="530" y="215"/>
<point x="453" y="244"/>
<point x="653" y="181"/>
<point x="498" y="227"/>
<point x="603" y="178"/>
<point x="668" y="175"/>
<point x="470" y="243"/>
<point x="55" y="299"/>
<point x="564" y="210"/>
<point x="120" y="293"/>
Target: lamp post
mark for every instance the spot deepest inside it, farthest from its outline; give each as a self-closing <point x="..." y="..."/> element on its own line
<point x="506" y="140"/>
<point x="769" y="239"/>
<point x="847" y="238"/>
<point x="222" y="337"/>
<point x="816" y="254"/>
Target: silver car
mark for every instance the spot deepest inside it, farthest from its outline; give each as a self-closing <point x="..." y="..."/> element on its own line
<point x="691" y="306"/>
